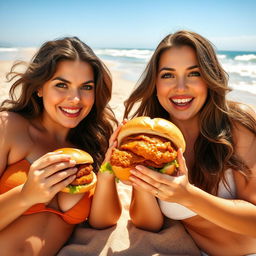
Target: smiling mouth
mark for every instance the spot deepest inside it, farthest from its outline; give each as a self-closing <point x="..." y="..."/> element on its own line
<point x="181" y="102"/>
<point x="71" y="112"/>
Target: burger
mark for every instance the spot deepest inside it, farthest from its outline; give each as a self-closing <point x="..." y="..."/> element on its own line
<point x="85" y="177"/>
<point x="149" y="142"/>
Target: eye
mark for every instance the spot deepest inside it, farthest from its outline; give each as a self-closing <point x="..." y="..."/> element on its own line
<point x="194" y="73"/>
<point x="167" y="75"/>
<point x="61" y="85"/>
<point x="87" y="87"/>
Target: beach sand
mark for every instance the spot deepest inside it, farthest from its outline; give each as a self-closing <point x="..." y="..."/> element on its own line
<point x="121" y="88"/>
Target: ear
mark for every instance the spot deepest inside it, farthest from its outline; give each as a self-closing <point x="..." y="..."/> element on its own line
<point x="40" y="92"/>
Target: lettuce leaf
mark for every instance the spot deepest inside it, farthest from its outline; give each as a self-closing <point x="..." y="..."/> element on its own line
<point x="74" y="189"/>
<point x="174" y="162"/>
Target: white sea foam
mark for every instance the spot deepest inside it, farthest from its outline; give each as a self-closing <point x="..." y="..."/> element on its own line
<point x="246" y="57"/>
<point x="242" y="86"/>
<point x="221" y="56"/>
<point x="8" y="49"/>
<point x="244" y="70"/>
<point x="132" y="53"/>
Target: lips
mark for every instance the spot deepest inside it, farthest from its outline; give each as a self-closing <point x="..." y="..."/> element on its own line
<point x="181" y="101"/>
<point x="70" y="112"/>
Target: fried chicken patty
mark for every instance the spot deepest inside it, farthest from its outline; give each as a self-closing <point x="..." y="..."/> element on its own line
<point x="84" y="175"/>
<point x="83" y="180"/>
<point x="83" y="169"/>
<point x="148" y="150"/>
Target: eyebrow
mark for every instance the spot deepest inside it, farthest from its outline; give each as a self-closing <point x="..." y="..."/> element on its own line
<point x="68" y="82"/>
<point x="173" y="69"/>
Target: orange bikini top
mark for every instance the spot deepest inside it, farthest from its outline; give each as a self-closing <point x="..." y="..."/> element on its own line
<point x="16" y="174"/>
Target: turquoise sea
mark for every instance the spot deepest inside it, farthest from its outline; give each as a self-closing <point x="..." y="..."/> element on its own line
<point x="240" y="65"/>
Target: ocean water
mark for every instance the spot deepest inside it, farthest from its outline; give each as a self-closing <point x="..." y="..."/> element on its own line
<point x="240" y="65"/>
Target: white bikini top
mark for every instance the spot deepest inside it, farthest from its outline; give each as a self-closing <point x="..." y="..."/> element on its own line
<point x="179" y="212"/>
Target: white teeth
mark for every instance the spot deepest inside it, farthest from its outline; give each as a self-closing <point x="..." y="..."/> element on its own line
<point x="70" y="111"/>
<point x="181" y="101"/>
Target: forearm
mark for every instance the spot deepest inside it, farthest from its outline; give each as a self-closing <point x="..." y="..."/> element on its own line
<point x="145" y="212"/>
<point x="106" y="207"/>
<point x="235" y="215"/>
<point x="12" y="205"/>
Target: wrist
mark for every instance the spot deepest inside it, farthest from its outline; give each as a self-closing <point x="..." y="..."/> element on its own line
<point x="106" y="171"/>
<point x="142" y="194"/>
<point x="191" y="197"/>
<point x="106" y="167"/>
<point x="24" y="200"/>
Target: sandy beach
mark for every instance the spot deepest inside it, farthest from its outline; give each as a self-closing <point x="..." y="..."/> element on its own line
<point x="122" y="87"/>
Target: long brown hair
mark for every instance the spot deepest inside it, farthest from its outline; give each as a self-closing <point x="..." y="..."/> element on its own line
<point x="94" y="130"/>
<point x="214" y="144"/>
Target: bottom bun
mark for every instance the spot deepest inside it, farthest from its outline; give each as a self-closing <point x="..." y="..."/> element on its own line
<point x="78" y="189"/>
<point x="121" y="173"/>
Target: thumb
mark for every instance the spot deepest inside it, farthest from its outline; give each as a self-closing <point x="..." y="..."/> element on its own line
<point x="109" y="151"/>
<point x="183" y="170"/>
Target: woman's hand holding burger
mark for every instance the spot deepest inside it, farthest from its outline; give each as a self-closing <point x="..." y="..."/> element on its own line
<point x="106" y="199"/>
<point x="165" y="187"/>
<point x="106" y="167"/>
<point x="47" y="176"/>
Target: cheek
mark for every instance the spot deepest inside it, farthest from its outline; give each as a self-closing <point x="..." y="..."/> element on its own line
<point x="49" y="100"/>
<point x="53" y="96"/>
<point x="162" y="89"/>
<point x="202" y="89"/>
<point x="89" y="98"/>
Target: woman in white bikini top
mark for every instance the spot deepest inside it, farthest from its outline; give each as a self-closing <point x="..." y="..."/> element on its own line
<point x="185" y="83"/>
<point x="179" y="212"/>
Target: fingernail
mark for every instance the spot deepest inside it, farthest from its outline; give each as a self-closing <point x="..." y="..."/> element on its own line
<point x="133" y="171"/>
<point x="131" y="178"/>
<point x="72" y="161"/>
<point x="138" y="167"/>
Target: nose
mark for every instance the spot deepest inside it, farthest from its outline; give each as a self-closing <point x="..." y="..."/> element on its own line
<point x="74" y="96"/>
<point x="181" y="84"/>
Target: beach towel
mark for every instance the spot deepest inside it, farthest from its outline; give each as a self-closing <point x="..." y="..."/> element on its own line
<point x="125" y="239"/>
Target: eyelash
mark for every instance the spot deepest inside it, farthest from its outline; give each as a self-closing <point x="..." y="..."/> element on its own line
<point x="170" y="75"/>
<point x="87" y="87"/>
<point x="194" y="73"/>
<point x="61" y="85"/>
<point x="84" y="87"/>
<point x="167" y="75"/>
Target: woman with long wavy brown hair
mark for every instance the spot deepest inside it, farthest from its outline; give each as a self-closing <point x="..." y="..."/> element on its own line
<point x="214" y="191"/>
<point x="61" y="100"/>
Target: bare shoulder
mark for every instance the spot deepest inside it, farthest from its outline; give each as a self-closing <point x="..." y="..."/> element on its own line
<point x="245" y="147"/>
<point x="245" y="141"/>
<point x="241" y="135"/>
<point x="248" y="109"/>
<point x="11" y="122"/>
<point x="12" y="127"/>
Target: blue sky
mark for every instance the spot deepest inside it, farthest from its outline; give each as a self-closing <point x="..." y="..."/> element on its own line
<point x="230" y="25"/>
